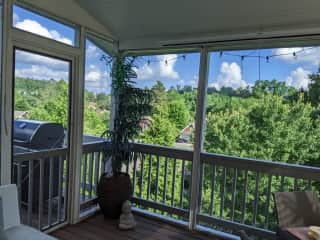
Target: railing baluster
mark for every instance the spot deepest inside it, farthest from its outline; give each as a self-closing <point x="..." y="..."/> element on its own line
<point x="149" y="176"/>
<point x="104" y="160"/>
<point x="266" y="222"/>
<point x="66" y="185"/>
<point x="41" y="186"/>
<point x="213" y="187"/>
<point x="173" y="181"/>
<point x="96" y="171"/>
<point x="256" y="200"/>
<point x="244" y="198"/>
<point x="135" y="156"/>
<point x="19" y="178"/>
<point x="164" y="194"/>
<point x="128" y="163"/>
<point x="295" y="184"/>
<point x="281" y="183"/>
<point x="157" y="178"/>
<point x="182" y="183"/>
<point x="142" y="175"/>
<point x="223" y="185"/>
<point x="84" y="177"/>
<point x="201" y="186"/>
<point x="30" y="193"/>
<point x="50" y="191"/>
<point x="234" y="190"/>
<point x="309" y="185"/>
<point x="60" y="188"/>
<point x="90" y="174"/>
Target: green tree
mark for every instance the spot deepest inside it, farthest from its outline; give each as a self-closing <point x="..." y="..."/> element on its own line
<point x="314" y="88"/>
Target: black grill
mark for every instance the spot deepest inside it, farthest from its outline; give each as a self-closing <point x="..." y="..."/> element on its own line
<point x="37" y="135"/>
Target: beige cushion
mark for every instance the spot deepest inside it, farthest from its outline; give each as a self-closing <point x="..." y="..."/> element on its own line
<point x="297" y="209"/>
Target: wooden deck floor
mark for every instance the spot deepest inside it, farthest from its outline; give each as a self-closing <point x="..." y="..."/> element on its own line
<point x="97" y="228"/>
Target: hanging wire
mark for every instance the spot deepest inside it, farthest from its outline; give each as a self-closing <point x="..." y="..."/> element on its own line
<point x="149" y="60"/>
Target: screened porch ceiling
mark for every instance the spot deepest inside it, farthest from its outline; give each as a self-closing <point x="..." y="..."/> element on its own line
<point x="152" y="24"/>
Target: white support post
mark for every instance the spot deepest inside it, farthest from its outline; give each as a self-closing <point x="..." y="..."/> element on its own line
<point x="6" y="95"/>
<point x="76" y="128"/>
<point x="198" y="141"/>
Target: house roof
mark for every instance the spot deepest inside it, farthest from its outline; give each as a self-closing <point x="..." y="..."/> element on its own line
<point x="146" y="24"/>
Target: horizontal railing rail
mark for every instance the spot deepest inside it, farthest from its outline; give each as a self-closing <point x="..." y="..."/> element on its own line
<point x="263" y="166"/>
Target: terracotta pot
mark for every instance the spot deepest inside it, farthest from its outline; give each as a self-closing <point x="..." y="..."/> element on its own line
<point x="112" y="192"/>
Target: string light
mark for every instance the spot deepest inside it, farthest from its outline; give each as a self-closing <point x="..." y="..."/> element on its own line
<point x="294" y="55"/>
<point x="222" y="53"/>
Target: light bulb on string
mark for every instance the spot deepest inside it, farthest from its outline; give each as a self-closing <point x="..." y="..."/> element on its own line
<point x="294" y="55"/>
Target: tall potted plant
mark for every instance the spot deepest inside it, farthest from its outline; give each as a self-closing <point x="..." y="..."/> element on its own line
<point x="130" y="105"/>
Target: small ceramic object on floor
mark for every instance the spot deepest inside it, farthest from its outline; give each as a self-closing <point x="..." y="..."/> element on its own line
<point x="126" y="219"/>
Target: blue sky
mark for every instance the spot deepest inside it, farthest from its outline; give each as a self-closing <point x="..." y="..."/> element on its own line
<point x="226" y="68"/>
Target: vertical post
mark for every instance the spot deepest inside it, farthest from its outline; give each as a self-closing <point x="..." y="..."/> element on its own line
<point x="6" y="95"/>
<point x="76" y="121"/>
<point x="198" y="141"/>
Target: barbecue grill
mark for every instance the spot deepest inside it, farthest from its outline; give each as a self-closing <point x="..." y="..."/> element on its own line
<point x="37" y="135"/>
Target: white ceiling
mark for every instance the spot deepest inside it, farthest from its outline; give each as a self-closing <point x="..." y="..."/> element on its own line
<point x="152" y="23"/>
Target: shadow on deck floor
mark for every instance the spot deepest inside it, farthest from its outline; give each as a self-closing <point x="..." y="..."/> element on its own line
<point x="98" y="228"/>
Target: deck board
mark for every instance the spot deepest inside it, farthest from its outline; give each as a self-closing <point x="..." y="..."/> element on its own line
<point x="98" y="228"/>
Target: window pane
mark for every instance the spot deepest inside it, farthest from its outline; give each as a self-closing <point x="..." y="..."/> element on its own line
<point x="264" y="104"/>
<point x="97" y="92"/>
<point x="43" y="26"/>
<point x="173" y="78"/>
<point x="41" y="88"/>
<point x="41" y="110"/>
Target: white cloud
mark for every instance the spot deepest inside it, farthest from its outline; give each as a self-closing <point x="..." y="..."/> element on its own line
<point x="23" y="57"/>
<point x="92" y="51"/>
<point x="93" y="76"/>
<point x="36" y="66"/>
<point x="36" y="28"/>
<point x="229" y="76"/>
<point x="166" y="66"/>
<point x="159" y="69"/>
<point x="96" y="80"/>
<point x="15" y="18"/>
<point x="41" y="73"/>
<point x="308" y="55"/>
<point x="145" y="72"/>
<point x="299" y="78"/>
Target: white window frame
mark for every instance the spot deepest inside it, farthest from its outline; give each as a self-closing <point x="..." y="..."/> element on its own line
<point x="13" y="37"/>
